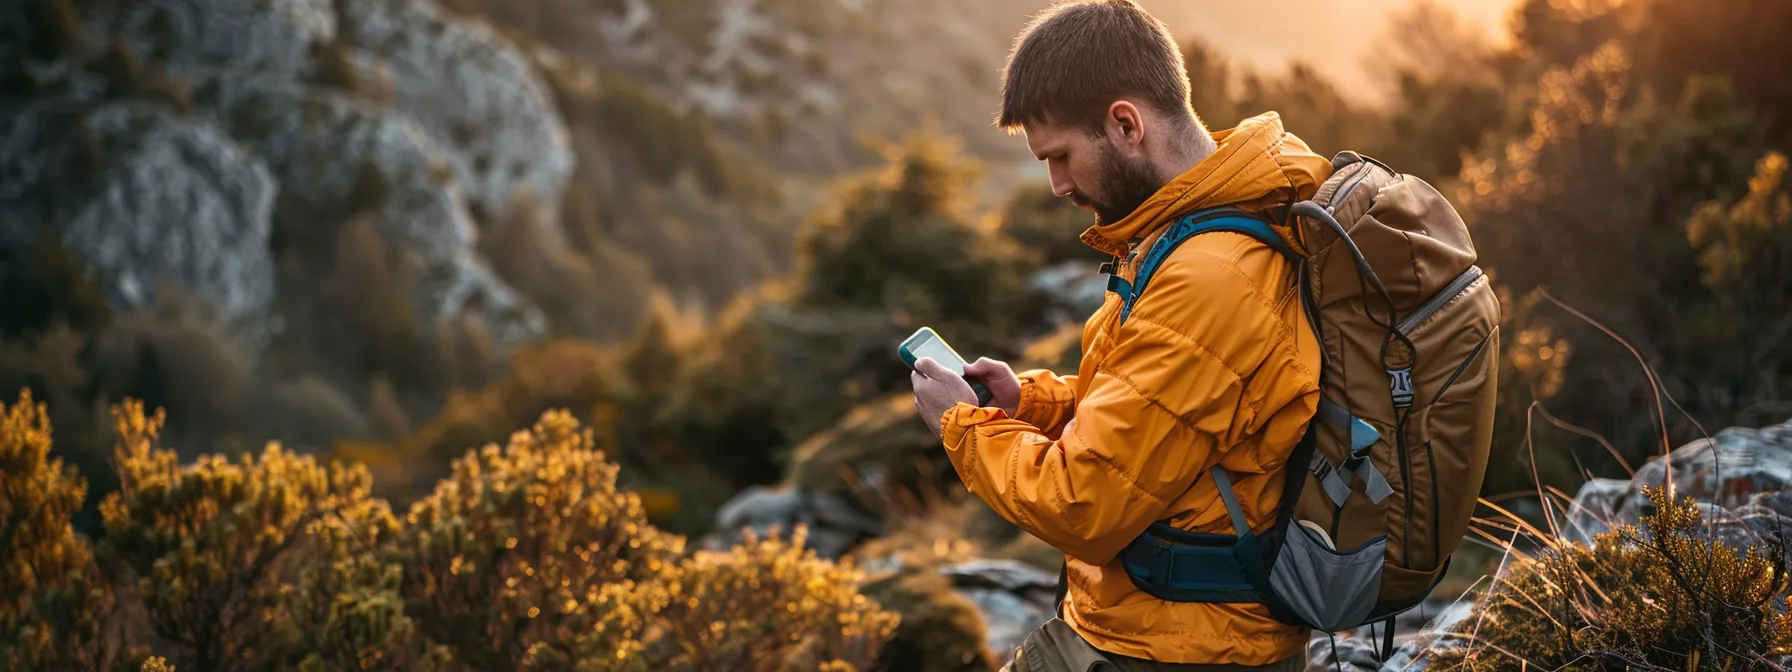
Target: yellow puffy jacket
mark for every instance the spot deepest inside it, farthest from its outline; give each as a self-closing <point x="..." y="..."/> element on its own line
<point x="1215" y="365"/>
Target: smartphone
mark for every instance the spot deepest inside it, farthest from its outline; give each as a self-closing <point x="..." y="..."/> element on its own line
<point x="925" y="343"/>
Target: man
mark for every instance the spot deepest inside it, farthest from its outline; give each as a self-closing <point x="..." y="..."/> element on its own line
<point x="1215" y="365"/>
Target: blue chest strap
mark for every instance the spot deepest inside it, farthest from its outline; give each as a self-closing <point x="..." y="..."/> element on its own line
<point x="1204" y="221"/>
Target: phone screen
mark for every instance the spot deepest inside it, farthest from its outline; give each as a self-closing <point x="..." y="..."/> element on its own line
<point x="940" y="352"/>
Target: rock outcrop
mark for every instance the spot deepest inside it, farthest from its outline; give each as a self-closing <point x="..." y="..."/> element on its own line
<point x="1072" y="291"/>
<point x="326" y="149"/>
<point x="474" y="94"/>
<point x="144" y="196"/>
<point x="265" y="113"/>
<point x="225" y="51"/>
<point x="1742" y="477"/>
<point x="833" y="526"/>
<point x="1015" y="598"/>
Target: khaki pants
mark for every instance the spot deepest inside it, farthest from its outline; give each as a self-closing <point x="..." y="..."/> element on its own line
<point x="1054" y="647"/>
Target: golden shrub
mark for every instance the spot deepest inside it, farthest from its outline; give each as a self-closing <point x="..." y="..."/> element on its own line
<point x="264" y="561"/>
<point x="1671" y="599"/>
<point x="526" y="555"/>
<point x="52" y="601"/>
<point x="514" y="552"/>
<point x="765" y="605"/>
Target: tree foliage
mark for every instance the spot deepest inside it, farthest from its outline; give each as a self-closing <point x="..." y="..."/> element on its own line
<point x="896" y="249"/>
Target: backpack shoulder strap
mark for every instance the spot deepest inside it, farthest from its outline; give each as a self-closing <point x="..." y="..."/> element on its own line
<point x="1230" y="219"/>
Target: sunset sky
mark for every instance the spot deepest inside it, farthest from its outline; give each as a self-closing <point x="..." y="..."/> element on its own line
<point x="1332" y="35"/>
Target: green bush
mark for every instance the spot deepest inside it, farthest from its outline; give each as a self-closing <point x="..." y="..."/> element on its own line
<point x="1048" y="225"/>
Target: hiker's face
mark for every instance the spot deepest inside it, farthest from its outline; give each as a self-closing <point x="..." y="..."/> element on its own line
<point x="1094" y="173"/>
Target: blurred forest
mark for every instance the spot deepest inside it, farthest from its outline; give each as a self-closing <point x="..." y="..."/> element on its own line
<point x="699" y="234"/>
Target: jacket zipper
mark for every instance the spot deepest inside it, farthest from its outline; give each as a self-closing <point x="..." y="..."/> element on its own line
<point x="1456" y="287"/>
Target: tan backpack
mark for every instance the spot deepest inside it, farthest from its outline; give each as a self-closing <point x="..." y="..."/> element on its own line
<point x="1382" y="489"/>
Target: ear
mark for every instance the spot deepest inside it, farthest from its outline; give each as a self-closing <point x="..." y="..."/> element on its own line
<point x="1126" y="124"/>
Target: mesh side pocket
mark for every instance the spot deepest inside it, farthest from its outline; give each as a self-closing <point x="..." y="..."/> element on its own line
<point x="1332" y="590"/>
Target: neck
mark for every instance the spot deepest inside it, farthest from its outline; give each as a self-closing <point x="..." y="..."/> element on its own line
<point x="1185" y="153"/>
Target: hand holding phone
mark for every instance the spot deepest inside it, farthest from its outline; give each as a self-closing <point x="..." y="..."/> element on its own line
<point x="925" y="343"/>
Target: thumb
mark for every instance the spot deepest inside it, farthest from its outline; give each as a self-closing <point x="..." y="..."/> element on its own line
<point x="978" y="368"/>
<point x="933" y="369"/>
<point x="984" y="366"/>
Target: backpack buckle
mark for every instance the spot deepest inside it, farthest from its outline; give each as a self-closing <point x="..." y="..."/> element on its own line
<point x="1400" y="386"/>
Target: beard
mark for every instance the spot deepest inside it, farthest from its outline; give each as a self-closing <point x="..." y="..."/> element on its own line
<point x="1126" y="184"/>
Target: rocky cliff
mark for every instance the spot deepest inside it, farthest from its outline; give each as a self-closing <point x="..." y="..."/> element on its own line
<point x="187" y="142"/>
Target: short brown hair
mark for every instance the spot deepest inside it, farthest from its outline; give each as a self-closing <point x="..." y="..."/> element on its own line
<point x="1076" y="58"/>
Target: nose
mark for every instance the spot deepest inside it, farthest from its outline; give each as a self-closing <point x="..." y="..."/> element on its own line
<point x="1062" y="186"/>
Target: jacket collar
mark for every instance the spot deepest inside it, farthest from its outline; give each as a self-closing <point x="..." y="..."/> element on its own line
<point x="1257" y="165"/>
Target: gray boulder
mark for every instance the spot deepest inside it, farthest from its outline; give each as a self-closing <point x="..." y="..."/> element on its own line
<point x="1015" y="598"/>
<point x="1417" y="633"/>
<point x="1737" y="468"/>
<point x="834" y="527"/>
<point x="1595" y="508"/>
<point x="1726" y="469"/>
<point x="1073" y="291"/>
<point x="1770" y="502"/>
<point x="471" y="91"/>
<point x="474" y="93"/>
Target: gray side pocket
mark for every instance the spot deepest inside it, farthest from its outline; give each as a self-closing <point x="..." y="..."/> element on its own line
<point x="1332" y="590"/>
